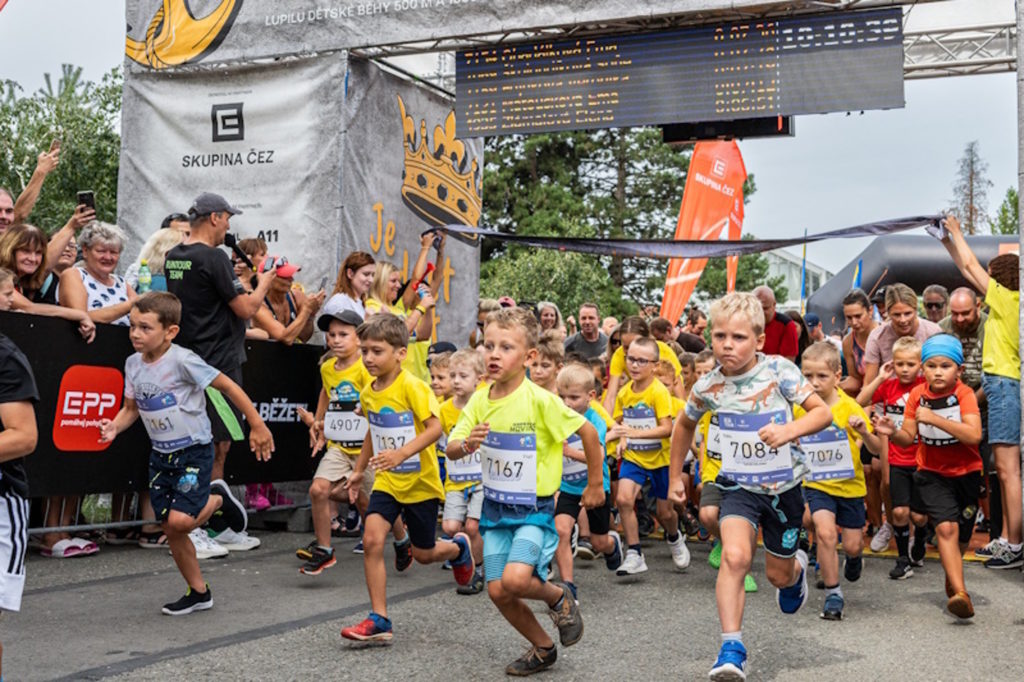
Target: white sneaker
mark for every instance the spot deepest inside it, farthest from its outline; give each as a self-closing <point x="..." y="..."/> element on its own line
<point x="880" y="542"/>
<point x="205" y="547"/>
<point x="633" y="564"/>
<point x="680" y="553"/>
<point x="236" y="542"/>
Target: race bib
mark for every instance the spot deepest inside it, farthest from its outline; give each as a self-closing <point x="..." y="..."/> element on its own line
<point x="641" y="418"/>
<point x="933" y="435"/>
<point x="391" y="431"/>
<point x="745" y="457"/>
<point x="829" y="455"/>
<point x="574" y="471"/>
<point x="465" y="469"/>
<point x="714" y="444"/>
<point x="509" y="464"/>
<point x="895" y="412"/>
<point x="164" y="423"/>
<point x="343" y="426"/>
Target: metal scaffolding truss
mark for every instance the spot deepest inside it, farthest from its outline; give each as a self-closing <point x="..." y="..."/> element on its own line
<point x="960" y="51"/>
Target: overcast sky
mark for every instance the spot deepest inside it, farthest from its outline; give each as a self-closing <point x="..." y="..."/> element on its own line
<point x="837" y="171"/>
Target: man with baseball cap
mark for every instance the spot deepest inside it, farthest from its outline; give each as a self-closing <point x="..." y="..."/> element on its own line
<point x="817" y="332"/>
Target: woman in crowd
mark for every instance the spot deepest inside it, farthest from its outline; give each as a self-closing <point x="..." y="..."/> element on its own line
<point x="154" y="252"/>
<point x="551" y="318"/>
<point x="483" y="309"/>
<point x="94" y="286"/>
<point x="804" y="340"/>
<point x="354" y="280"/>
<point x="857" y="312"/>
<point x="287" y="314"/>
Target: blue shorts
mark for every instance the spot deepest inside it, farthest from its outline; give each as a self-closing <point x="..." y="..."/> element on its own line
<point x="636" y="473"/>
<point x="849" y="511"/>
<point x="180" y="480"/>
<point x="526" y="544"/>
<point x="1003" y="397"/>
<point x="780" y="516"/>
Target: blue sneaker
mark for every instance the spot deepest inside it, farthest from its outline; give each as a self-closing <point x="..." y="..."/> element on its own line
<point x="614" y="560"/>
<point x="852" y="568"/>
<point x="833" y="607"/>
<point x="731" y="664"/>
<point x="358" y="549"/>
<point x="791" y="598"/>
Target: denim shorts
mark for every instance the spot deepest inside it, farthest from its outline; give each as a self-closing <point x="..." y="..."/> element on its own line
<point x="1003" y="397"/>
<point x="638" y="474"/>
<point x="180" y="480"/>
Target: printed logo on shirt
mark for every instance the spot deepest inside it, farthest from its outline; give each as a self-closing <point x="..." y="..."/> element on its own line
<point x="87" y="394"/>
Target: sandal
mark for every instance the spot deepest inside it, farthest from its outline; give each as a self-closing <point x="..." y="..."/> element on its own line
<point x="87" y="547"/>
<point x="122" y="536"/>
<point x="152" y="540"/>
<point x="62" y="549"/>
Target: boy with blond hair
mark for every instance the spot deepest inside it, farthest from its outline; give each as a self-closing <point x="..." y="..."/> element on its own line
<point x="549" y="362"/>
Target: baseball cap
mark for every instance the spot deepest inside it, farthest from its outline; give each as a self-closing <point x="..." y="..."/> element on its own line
<point x="812" y="320"/>
<point x="441" y="347"/>
<point x="208" y="202"/>
<point x="349" y="317"/>
<point x="284" y="268"/>
<point x="507" y="302"/>
<point x="878" y="296"/>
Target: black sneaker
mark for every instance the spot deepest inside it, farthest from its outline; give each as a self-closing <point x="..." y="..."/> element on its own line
<point x="1006" y="558"/>
<point x="902" y="570"/>
<point x="231" y="513"/>
<point x="534" y="660"/>
<point x="192" y="601"/>
<point x="476" y="586"/>
<point x="306" y="553"/>
<point x="567" y="618"/>
<point x="852" y="568"/>
<point x="917" y="551"/>
<point x="403" y="555"/>
<point x="320" y="560"/>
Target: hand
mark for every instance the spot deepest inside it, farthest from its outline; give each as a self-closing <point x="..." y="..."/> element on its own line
<point x="442" y="242"/>
<point x="305" y="416"/>
<point x="951" y="224"/>
<point x="428" y="301"/>
<point x="570" y="321"/>
<point x="386" y="460"/>
<point x="355" y="480"/>
<point x="82" y="216"/>
<point x="858" y="425"/>
<point x="427" y="240"/>
<point x="883" y="424"/>
<point x="46" y="162"/>
<point x="263" y="279"/>
<point x="108" y="431"/>
<point x="476" y="437"/>
<point x="887" y="371"/>
<point x="676" y="490"/>
<point x="87" y="328"/>
<point x="593" y="496"/>
<point x="313" y="303"/>
<point x="926" y="416"/>
<point x="261" y="441"/>
<point x="573" y="453"/>
<point x="775" y="435"/>
<point x="617" y="432"/>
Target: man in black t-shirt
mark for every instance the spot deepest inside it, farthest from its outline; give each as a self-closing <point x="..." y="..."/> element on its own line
<point x="17" y="439"/>
<point x="214" y="308"/>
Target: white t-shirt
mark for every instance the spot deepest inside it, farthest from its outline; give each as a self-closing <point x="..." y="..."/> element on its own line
<point x="341" y="301"/>
<point x="170" y="396"/>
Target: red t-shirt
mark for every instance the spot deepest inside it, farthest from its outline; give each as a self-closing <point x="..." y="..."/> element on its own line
<point x="937" y="450"/>
<point x="782" y="337"/>
<point x="892" y="396"/>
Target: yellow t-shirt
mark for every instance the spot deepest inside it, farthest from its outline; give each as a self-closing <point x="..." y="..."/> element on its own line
<point x="416" y="352"/>
<point x="617" y="366"/>
<point x="345" y="386"/>
<point x="528" y="409"/>
<point x="842" y="411"/>
<point x="650" y="405"/>
<point x="390" y="412"/>
<point x="678" y="405"/>
<point x="710" y="452"/>
<point x="449" y="417"/>
<point x="999" y="354"/>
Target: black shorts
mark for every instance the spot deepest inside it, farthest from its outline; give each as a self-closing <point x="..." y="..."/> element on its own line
<point x="849" y="511"/>
<point x="613" y="467"/>
<point x="180" y="480"/>
<point x="221" y="433"/>
<point x="599" y="518"/>
<point x="420" y="517"/>
<point x="947" y="498"/>
<point x="901" y="485"/>
<point x="780" y="516"/>
<point x="866" y="457"/>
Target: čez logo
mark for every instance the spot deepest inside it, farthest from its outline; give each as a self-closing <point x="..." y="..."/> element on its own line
<point x="718" y="168"/>
<point x="228" y="123"/>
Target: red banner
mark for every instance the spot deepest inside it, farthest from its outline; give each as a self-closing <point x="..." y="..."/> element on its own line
<point x="712" y="201"/>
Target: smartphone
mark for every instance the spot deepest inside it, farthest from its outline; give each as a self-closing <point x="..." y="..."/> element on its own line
<point x="86" y="197"/>
<point x="323" y="284"/>
<point x="55" y="145"/>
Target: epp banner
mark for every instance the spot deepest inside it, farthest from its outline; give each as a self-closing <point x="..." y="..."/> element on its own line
<point x="407" y="172"/>
<point x="265" y="137"/>
<point x="80" y="384"/>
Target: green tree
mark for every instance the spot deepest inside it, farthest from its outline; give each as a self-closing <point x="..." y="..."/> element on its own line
<point x="1007" y="216"/>
<point x="751" y="272"/>
<point x="85" y="117"/>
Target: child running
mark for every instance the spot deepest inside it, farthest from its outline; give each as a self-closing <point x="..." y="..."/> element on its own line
<point x="550" y="356"/>
<point x="576" y="388"/>
<point x="463" y="489"/>
<point x="403" y="421"/>
<point x="519" y="429"/>
<point x="643" y="410"/>
<point x="834" y="488"/>
<point x="165" y="384"/>
<point x="761" y="471"/>
<point x="943" y="414"/>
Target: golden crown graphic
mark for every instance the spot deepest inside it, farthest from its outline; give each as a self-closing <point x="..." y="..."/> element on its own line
<point x="436" y="185"/>
<point x="175" y="37"/>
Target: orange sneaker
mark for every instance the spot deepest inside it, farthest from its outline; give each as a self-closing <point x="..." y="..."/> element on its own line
<point x="960" y="605"/>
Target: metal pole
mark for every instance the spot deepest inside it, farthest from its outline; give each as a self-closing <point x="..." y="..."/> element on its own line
<point x="1020" y="183"/>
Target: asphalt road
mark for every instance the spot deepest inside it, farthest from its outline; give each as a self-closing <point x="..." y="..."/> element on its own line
<point x="99" y="618"/>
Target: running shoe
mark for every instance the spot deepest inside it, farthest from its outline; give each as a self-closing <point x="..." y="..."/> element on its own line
<point x="236" y="542"/>
<point x="321" y="559"/>
<point x="917" y="552"/>
<point x="567" y="618"/>
<point x="880" y="542"/>
<point x="833" y="607"/>
<point x="680" y="553"/>
<point x="902" y="570"/>
<point x="749" y="584"/>
<point x="373" y="629"/>
<point x="231" y="513"/>
<point x="633" y="564"/>
<point x="703" y="534"/>
<point x="715" y="557"/>
<point x="305" y="553"/>
<point x="731" y="665"/>
<point x="463" y="568"/>
<point x="205" y="547"/>
<point x="574" y="539"/>
<point x="192" y="601"/>
<point x="614" y="560"/>
<point x="533" y="661"/>
<point x="585" y="550"/>
<point x="358" y="549"/>
<point x="852" y="568"/>
<point x="689" y="525"/>
<point x="989" y="550"/>
<point x="476" y="586"/>
<point x="403" y="554"/>
<point x="960" y="605"/>
<point x="791" y="598"/>
<point x="1005" y="557"/>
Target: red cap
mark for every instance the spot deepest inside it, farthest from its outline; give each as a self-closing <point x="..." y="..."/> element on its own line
<point x="284" y="268"/>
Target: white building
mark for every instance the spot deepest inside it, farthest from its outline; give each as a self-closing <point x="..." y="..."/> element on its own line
<point x="788" y="265"/>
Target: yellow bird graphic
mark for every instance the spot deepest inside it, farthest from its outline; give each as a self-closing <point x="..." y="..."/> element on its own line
<point x="175" y="37"/>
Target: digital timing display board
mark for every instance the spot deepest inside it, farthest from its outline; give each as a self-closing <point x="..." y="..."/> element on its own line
<point x="783" y="66"/>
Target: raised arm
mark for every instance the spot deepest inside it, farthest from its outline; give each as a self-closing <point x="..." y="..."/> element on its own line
<point x="45" y="163"/>
<point x="962" y="255"/>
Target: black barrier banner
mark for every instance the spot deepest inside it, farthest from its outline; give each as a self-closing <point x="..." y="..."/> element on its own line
<point x="80" y="384"/>
<point x="666" y="249"/>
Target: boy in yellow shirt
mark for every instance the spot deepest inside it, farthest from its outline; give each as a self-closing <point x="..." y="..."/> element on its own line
<point x="643" y="412"/>
<point x="519" y="429"/>
<point x="403" y="426"/>
<point x="550" y="358"/>
<point x="834" y="488"/>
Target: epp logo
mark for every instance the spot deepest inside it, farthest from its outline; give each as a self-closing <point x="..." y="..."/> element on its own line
<point x="228" y="123"/>
<point x="87" y="394"/>
<point x="718" y="168"/>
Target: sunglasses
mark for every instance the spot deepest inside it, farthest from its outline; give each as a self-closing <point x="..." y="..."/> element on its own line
<point x="934" y="306"/>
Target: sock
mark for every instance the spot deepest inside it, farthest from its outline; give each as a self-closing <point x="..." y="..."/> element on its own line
<point x="732" y="637"/>
<point x="902" y="534"/>
<point x="329" y="550"/>
<point x="572" y="587"/>
<point x="672" y="539"/>
<point x="380" y="621"/>
<point x="834" y="589"/>
<point x="636" y="548"/>
<point x="921" y="534"/>
<point x="1015" y="548"/>
<point x="557" y="606"/>
<point x="403" y="543"/>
